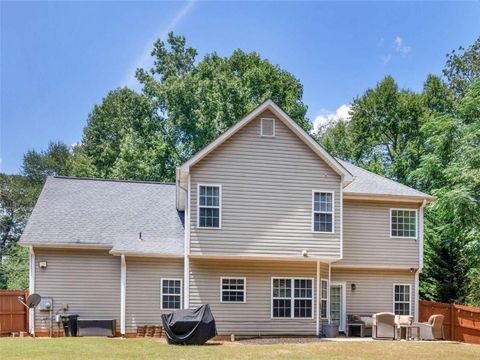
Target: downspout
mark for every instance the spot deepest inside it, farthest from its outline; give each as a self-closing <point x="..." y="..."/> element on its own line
<point x="123" y="293"/>
<point x="31" y="288"/>
<point x="318" y="300"/>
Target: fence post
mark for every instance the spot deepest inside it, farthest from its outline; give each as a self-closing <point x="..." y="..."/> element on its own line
<point x="452" y="322"/>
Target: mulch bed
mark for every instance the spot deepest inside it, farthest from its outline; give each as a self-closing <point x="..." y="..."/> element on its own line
<point x="279" y="340"/>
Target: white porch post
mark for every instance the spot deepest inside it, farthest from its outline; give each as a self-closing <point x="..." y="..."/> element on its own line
<point x="186" y="259"/>
<point x="31" y="290"/>
<point x="318" y="300"/>
<point x="328" y="290"/>
<point x="123" y="293"/>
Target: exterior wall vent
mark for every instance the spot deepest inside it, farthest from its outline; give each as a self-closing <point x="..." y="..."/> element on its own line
<point x="267" y="127"/>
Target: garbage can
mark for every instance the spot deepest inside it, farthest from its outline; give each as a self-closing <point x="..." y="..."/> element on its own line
<point x="330" y="330"/>
<point x="72" y="324"/>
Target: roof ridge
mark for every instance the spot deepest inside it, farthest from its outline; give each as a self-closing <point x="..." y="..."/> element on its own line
<point x="381" y="177"/>
<point x="113" y="180"/>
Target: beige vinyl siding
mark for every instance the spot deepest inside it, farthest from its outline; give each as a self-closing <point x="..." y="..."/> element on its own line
<point x="267" y="185"/>
<point x="254" y="316"/>
<point x="88" y="281"/>
<point x="366" y="236"/>
<point x="374" y="289"/>
<point x="143" y="305"/>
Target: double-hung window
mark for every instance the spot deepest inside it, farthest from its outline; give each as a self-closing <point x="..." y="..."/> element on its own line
<point x="403" y="223"/>
<point x="401" y="299"/>
<point x="171" y="294"/>
<point x="323" y="298"/>
<point x="292" y="298"/>
<point x="209" y="206"/>
<point x="323" y="211"/>
<point x="232" y="289"/>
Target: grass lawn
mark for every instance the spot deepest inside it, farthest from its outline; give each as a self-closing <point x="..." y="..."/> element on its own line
<point x="104" y="348"/>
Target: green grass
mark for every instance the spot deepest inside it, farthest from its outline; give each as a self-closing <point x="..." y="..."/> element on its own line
<point x="104" y="348"/>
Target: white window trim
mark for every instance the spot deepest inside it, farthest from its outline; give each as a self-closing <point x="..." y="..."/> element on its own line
<point x="323" y="212"/>
<point x="403" y="302"/>
<point x="161" y="293"/>
<point x="213" y="207"/>
<point x="244" y="289"/>
<point x="416" y="224"/>
<point x="261" y="127"/>
<point x="322" y="298"/>
<point x="292" y="297"/>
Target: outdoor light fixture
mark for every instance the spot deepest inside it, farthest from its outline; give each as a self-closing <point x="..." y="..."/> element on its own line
<point x="412" y="270"/>
<point x="42" y="264"/>
<point x="353" y="286"/>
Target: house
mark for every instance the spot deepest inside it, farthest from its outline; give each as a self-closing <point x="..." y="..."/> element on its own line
<point x="278" y="236"/>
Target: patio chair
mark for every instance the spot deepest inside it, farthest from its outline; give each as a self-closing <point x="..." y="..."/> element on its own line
<point x="432" y="329"/>
<point x="364" y="322"/>
<point x="383" y="326"/>
<point x="402" y="320"/>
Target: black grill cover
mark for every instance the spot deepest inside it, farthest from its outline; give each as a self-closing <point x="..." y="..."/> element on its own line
<point x="189" y="327"/>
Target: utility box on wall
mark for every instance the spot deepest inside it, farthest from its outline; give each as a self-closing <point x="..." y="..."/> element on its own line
<point x="46" y="304"/>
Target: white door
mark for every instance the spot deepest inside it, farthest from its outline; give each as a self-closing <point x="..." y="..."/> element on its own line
<point x="337" y="305"/>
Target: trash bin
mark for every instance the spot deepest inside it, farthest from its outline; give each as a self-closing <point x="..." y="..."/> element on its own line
<point x="72" y="324"/>
<point x="330" y="330"/>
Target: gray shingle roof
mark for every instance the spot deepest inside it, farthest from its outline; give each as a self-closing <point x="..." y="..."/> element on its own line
<point x="75" y="211"/>
<point x="368" y="183"/>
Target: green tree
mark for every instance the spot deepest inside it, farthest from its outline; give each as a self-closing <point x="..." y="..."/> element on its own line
<point x="195" y="103"/>
<point x="383" y="133"/>
<point x="463" y="68"/>
<point x="17" y="197"/>
<point x="51" y="162"/>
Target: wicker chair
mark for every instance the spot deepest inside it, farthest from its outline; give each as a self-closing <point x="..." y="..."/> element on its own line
<point x="432" y="329"/>
<point x="383" y="326"/>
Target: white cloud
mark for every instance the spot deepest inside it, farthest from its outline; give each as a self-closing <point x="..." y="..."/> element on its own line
<point x="144" y="60"/>
<point x="326" y="118"/>
<point x="401" y="47"/>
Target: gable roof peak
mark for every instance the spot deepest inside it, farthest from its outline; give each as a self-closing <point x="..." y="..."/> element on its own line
<point x="289" y="122"/>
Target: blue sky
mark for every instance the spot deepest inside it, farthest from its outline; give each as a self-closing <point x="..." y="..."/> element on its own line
<point x="59" y="59"/>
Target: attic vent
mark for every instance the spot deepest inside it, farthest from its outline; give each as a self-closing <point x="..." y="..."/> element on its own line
<point x="268" y="127"/>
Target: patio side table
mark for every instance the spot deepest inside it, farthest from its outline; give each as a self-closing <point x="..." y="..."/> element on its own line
<point x="408" y="331"/>
<point x="352" y="325"/>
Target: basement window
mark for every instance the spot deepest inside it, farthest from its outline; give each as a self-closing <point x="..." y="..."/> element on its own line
<point x="267" y="127"/>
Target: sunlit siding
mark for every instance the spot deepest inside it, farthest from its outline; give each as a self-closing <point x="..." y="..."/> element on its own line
<point x="143" y="289"/>
<point x="267" y="185"/>
<point x="366" y="237"/>
<point x="254" y="316"/>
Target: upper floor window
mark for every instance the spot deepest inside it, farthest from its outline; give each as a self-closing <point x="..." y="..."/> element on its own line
<point x="209" y="206"/>
<point x="401" y="299"/>
<point x="171" y="294"/>
<point x="232" y="289"/>
<point x="323" y="211"/>
<point x="403" y="223"/>
<point x="267" y="127"/>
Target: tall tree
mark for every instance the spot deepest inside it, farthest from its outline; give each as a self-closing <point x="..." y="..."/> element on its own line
<point x="37" y="165"/>
<point x="463" y="67"/>
<point x="382" y="134"/>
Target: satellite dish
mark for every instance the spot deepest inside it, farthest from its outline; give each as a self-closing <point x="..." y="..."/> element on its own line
<point x="33" y="300"/>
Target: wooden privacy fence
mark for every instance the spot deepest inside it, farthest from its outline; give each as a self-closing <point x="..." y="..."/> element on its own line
<point x="13" y="315"/>
<point x="462" y="323"/>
